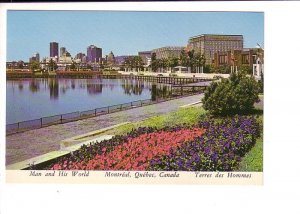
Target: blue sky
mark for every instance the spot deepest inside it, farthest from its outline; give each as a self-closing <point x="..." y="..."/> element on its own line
<point x="124" y="33"/>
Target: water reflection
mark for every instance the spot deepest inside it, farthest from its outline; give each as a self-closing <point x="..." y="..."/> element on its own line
<point x="94" y="86"/>
<point x="53" y="88"/>
<point x="20" y="85"/>
<point x="34" y="85"/>
<point x="159" y="91"/>
<point x="73" y="86"/>
<point x="132" y="86"/>
<point x="35" y="98"/>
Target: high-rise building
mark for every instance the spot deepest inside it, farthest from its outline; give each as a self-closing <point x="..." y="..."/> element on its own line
<point x="62" y="51"/>
<point x="54" y="49"/>
<point x="94" y="54"/>
<point x="209" y="44"/>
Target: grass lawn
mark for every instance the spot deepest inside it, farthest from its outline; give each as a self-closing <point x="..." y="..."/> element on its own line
<point x="187" y="116"/>
<point x="252" y="161"/>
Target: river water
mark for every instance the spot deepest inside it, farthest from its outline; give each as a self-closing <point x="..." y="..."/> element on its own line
<point x="28" y="99"/>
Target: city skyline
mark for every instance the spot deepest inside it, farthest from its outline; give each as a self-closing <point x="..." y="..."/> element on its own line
<point x="124" y="33"/>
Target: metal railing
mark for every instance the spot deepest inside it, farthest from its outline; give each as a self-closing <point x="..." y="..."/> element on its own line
<point x="78" y="115"/>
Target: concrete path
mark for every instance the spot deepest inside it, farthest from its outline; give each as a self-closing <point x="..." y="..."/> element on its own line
<point x="22" y="146"/>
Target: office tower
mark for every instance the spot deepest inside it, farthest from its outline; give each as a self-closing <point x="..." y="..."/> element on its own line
<point x="53" y="49"/>
<point x="94" y="54"/>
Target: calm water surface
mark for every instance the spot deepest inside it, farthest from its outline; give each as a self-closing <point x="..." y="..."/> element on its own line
<point x="35" y="98"/>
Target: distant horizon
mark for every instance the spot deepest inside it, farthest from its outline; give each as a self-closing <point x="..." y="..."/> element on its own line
<point x="123" y="33"/>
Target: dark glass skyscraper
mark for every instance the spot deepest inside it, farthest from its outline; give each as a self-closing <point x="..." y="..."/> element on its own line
<point x="53" y="49"/>
<point x="94" y="54"/>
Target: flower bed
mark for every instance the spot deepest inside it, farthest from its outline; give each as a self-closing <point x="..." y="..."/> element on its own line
<point x="215" y="144"/>
<point x="219" y="149"/>
<point x="132" y="152"/>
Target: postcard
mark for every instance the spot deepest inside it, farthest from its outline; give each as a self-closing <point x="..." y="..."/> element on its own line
<point x="134" y="96"/>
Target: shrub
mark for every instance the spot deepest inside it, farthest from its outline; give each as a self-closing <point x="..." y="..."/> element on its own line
<point x="261" y="84"/>
<point x="246" y="69"/>
<point x="235" y="95"/>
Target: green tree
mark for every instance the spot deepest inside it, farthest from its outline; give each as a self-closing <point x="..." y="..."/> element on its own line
<point x="199" y="60"/>
<point x="129" y="62"/>
<point x="173" y="62"/>
<point x="235" y="95"/>
<point x="246" y="68"/>
<point x="154" y="62"/>
<point x="73" y="66"/>
<point x="34" y="66"/>
<point x="191" y="60"/>
<point x="137" y="62"/>
<point x="261" y="84"/>
<point x="163" y="63"/>
<point x="183" y="58"/>
<point x="52" y="65"/>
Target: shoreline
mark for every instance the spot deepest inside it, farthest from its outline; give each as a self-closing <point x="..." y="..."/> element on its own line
<point x="32" y="143"/>
<point x="118" y="74"/>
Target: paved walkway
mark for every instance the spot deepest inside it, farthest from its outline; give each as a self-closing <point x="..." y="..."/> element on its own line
<point x="22" y="146"/>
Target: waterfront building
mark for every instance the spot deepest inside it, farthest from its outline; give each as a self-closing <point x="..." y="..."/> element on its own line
<point x="167" y="52"/>
<point x="20" y="65"/>
<point x="53" y="49"/>
<point x="249" y="58"/>
<point x="66" y="58"/>
<point x="94" y="54"/>
<point x="209" y="44"/>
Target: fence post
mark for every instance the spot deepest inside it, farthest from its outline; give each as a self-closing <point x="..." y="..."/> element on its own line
<point x="41" y="122"/>
<point x="18" y="125"/>
<point x="107" y="109"/>
<point x="120" y="107"/>
<point x="95" y="111"/>
<point x="61" y="118"/>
